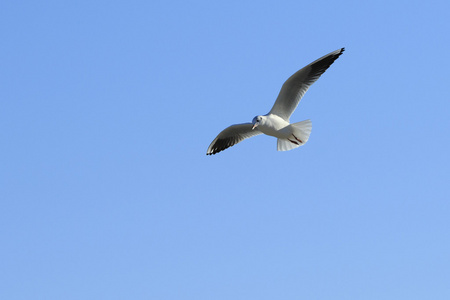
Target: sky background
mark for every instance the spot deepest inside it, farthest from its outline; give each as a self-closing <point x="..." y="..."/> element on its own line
<point x="107" y="109"/>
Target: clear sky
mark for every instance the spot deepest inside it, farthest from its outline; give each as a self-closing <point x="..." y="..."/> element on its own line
<point x="107" y="109"/>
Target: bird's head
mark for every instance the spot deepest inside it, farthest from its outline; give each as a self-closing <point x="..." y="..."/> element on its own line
<point x="256" y="121"/>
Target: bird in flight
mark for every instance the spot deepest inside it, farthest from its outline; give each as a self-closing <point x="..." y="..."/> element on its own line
<point x="276" y="122"/>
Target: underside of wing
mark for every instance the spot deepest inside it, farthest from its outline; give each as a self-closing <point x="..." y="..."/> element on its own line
<point x="230" y="136"/>
<point x="296" y="86"/>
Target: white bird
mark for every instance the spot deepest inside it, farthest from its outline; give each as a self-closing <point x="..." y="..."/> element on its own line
<point x="276" y="122"/>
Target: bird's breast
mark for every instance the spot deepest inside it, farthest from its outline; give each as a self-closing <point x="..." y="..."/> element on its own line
<point x="273" y="126"/>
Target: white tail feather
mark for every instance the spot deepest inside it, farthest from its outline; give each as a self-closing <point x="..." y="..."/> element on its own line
<point x="299" y="135"/>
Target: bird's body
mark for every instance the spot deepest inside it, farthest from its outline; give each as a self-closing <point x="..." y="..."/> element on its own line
<point x="276" y="123"/>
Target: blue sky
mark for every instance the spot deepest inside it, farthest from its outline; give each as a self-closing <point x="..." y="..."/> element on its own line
<point x="107" y="109"/>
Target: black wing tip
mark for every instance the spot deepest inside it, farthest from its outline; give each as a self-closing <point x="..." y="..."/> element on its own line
<point x="322" y="64"/>
<point x="214" y="151"/>
<point x="220" y="145"/>
<point x="339" y="53"/>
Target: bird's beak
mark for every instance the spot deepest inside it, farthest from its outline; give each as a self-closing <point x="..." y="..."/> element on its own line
<point x="254" y="126"/>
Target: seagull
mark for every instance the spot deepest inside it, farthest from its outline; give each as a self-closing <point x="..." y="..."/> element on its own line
<point x="276" y="122"/>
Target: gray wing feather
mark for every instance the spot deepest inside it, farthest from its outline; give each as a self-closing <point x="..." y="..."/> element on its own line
<point x="296" y="86"/>
<point x="230" y="136"/>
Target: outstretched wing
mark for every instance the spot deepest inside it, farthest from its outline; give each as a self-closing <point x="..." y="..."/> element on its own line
<point x="230" y="136"/>
<point x="296" y="86"/>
